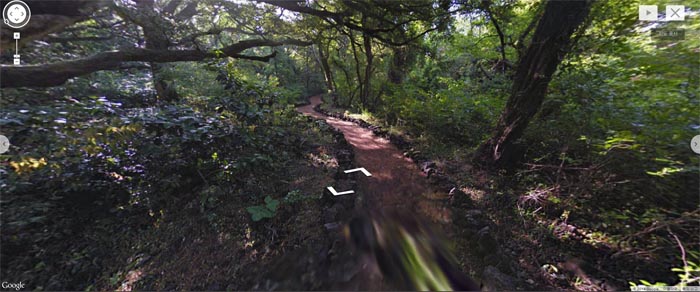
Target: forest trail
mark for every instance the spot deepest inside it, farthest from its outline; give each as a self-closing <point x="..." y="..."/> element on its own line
<point x="396" y="184"/>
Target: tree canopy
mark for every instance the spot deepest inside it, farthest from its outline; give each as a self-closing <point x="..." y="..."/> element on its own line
<point x="190" y="145"/>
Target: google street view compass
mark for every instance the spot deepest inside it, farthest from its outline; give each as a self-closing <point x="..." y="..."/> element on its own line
<point x="16" y="14"/>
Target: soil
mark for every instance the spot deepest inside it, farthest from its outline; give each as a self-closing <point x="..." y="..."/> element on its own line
<point x="296" y="250"/>
<point x="396" y="185"/>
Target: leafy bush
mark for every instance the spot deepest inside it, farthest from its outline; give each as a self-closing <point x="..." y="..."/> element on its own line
<point x="94" y="159"/>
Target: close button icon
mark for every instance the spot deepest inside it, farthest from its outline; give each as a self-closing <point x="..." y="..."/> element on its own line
<point x="675" y="12"/>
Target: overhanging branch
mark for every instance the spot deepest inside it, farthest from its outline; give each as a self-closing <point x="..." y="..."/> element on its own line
<point x="379" y="32"/>
<point x="265" y="58"/>
<point x="55" y="74"/>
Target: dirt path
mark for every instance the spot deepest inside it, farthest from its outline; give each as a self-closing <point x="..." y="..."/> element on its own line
<point x="396" y="182"/>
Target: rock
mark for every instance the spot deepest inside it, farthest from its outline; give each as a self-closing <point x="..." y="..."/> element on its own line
<point x="139" y="260"/>
<point x="492" y="259"/>
<point x="330" y="214"/>
<point x="458" y="198"/>
<point x="333" y="226"/>
<point x="563" y="229"/>
<point x="475" y="213"/>
<point x="473" y="219"/>
<point x="440" y="180"/>
<point x="487" y="244"/>
<point x="427" y="166"/>
<point x="399" y="141"/>
<point x="494" y="280"/>
<point x="343" y="156"/>
<point x="476" y="219"/>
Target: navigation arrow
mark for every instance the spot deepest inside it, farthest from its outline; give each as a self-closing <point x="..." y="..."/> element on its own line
<point x="341" y="193"/>
<point x="694" y="144"/>
<point x="359" y="169"/>
<point x="648" y="12"/>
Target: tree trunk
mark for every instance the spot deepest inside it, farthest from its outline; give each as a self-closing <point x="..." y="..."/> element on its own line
<point x="549" y="45"/>
<point x="307" y="71"/>
<point x="327" y="73"/>
<point x="360" y="79"/>
<point x="346" y="73"/>
<point x="368" y="70"/>
<point x="156" y="40"/>
<point x="397" y="68"/>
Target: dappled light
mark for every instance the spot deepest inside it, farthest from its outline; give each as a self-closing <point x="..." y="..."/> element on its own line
<point x="443" y="145"/>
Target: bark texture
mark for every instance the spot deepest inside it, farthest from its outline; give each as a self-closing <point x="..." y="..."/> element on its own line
<point x="550" y="43"/>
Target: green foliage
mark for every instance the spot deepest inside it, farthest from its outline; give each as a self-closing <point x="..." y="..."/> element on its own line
<point x="270" y="206"/>
<point x="447" y="97"/>
<point x="687" y="275"/>
<point x="266" y="210"/>
<point x="98" y="158"/>
<point x="611" y="137"/>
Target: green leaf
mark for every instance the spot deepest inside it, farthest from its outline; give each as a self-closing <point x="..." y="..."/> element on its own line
<point x="271" y="203"/>
<point x="260" y="212"/>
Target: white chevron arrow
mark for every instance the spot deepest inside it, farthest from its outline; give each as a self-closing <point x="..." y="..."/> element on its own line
<point x="359" y="169"/>
<point x="335" y="193"/>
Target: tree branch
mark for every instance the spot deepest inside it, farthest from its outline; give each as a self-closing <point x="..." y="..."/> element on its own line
<point x="293" y="6"/>
<point x="55" y="74"/>
<point x="265" y="58"/>
<point x="342" y="18"/>
<point x="171" y="6"/>
<point x="501" y="36"/>
<point x="51" y="39"/>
